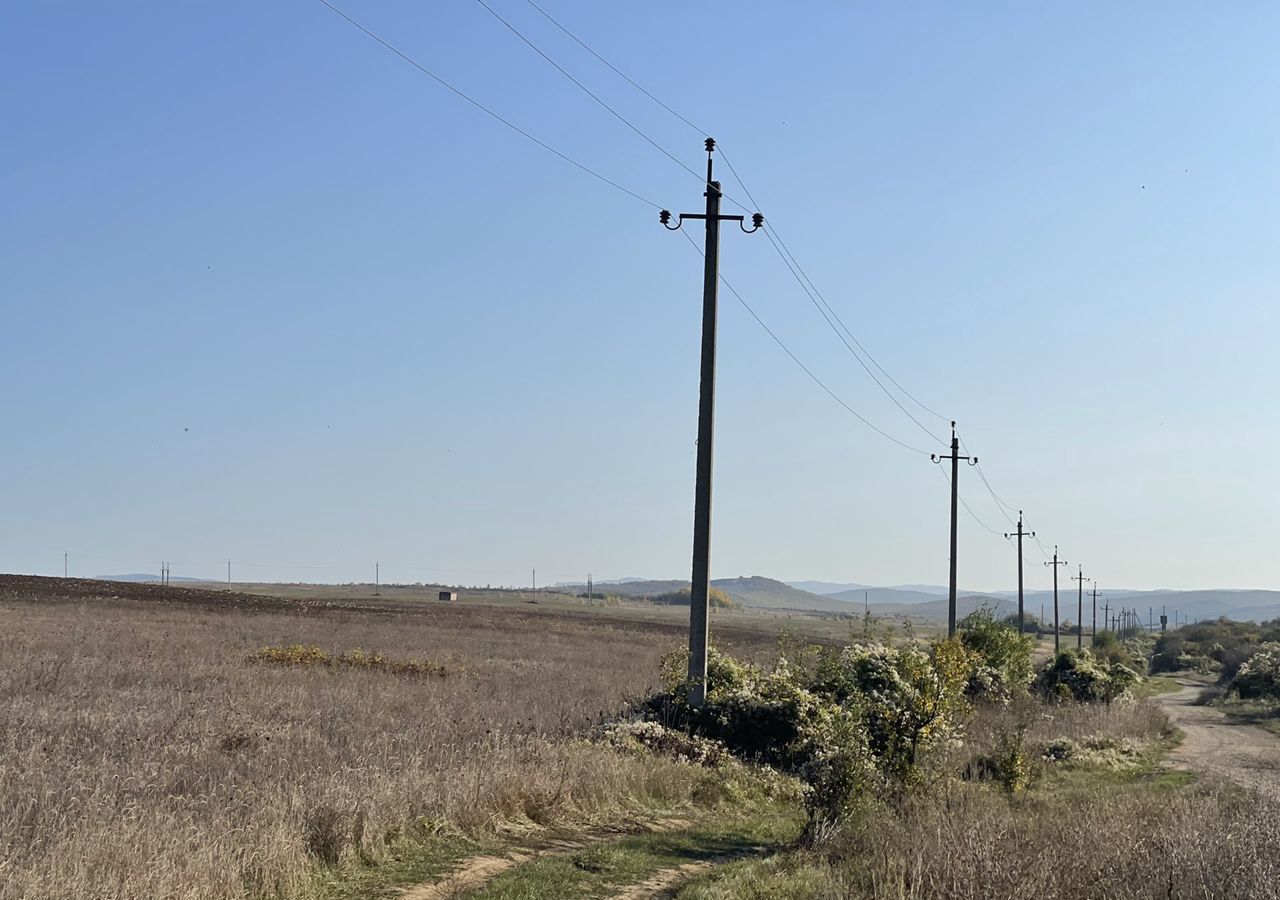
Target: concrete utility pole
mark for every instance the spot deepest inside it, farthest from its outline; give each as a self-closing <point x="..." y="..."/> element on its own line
<point x="1095" y="609"/>
<point x="700" y="588"/>
<point x="1020" y="534"/>
<point x="64" y="564"/>
<point x="1106" y="615"/>
<point x="228" y="573"/>
<point x="955" y="458"/>
<point x="1057" y="644"/>
<point x="377" y="579"/>
<point x="1080" y="608"/>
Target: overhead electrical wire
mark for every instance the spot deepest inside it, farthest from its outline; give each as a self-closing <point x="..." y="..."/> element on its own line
<point x="779" y="246"/>
<point x="818" y="381"/>
<point x="828" y="313"/>
<point x="967" y="509"/>
<point x="621" y="74"/>
<point x="417" y="65"/>
<point x="486" y="110"/>
<point x="586" y="90"/>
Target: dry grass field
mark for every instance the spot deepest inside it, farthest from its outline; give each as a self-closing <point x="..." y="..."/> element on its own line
<point x="146" y="753"/>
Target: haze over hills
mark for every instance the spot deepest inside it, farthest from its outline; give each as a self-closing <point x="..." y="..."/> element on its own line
<point x="923" y="601"/>
<point x="756" y="592"/>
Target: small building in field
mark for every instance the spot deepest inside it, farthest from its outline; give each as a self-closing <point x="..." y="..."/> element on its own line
<point x="448" y="596"/>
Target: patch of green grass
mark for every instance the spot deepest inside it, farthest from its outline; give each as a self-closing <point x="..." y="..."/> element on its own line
<point x="791" y="876"/>
<point x="1156" y="685"/>
<point x="425" y="855"/>
<point x="600" y="870"/>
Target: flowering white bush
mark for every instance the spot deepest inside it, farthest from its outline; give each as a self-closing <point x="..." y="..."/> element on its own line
<point x="1259" y="677"/>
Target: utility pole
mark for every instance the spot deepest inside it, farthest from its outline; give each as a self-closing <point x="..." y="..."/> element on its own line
<point x="1080" y="607"/>
<point x="955" y="458"/>
<point x="1095" y="610"/>
<point x="64" y="564"/>
<point x="1057" y="644"/>
<point x="700" y="586"/>
<point x="377" y="579"/>
<point x="228" y="574"/>
<point x="1020" y="534"/>
<point x="590" y="598"/>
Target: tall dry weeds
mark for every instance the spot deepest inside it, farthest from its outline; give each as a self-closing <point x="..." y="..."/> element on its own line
<point x="142" y="754"/>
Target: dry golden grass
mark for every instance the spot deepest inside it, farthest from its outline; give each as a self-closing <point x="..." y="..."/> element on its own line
<point x="145" y="754"/>
<point x="1094" y="839"/>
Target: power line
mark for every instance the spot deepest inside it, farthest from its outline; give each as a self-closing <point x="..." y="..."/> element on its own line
<point x="784" y="253"/>
<point x="818" y="381"/>
<point x="972" y="514"/>
<point x="586" y="90"/>
<point x="623" y="75"/>
<point x="486" y="110"/>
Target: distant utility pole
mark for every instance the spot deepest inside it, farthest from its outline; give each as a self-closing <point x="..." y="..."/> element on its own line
<point x="534" y="581"/>
<point x="590" y="600"/>
<point x="1164" y="618"/>
<point x="1020" y="534"/>
<point x="955" y="458"/>
<point x="228" y="573"/>
<point x="700" y="588"/>
<point x="377" y="579"/>
<point x="64" y="564"/>
<point x="1080" y="607"/>
<point x="1057" y="643"/>
<point x="1095" y="609"/>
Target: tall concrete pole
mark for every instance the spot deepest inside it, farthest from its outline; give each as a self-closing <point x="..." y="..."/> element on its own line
<point x="1057" y="641"/>
<point x="1020" y="534"/>
<point x="955" y="458"/>
<point x="1080" y="608"/>
<point x="700" y="587"/>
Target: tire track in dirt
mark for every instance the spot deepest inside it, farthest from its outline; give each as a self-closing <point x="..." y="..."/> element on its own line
<point x="664" y="883"/>
<point x="475" y="872"/>
<point x="1212" y="744"/>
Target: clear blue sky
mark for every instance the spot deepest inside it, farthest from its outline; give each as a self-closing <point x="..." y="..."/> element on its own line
<point x="271" y="294"/>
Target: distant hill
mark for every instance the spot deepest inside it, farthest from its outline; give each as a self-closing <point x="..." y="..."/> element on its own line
<point x="886" y="595"/>
<point x="825" y="588"/>
<point x="756" y="592"/>
<point x="935" y="609"/>
<point x="1243" y="605"/>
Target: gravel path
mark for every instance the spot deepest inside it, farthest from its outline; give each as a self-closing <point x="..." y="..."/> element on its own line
<point x="1212" y="744"/>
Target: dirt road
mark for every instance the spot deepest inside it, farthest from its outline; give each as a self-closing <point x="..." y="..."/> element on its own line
<point x="1245" y="754"/>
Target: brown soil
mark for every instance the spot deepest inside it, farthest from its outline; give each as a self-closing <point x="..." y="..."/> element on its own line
<point x="1212" y="744"/>
<point x="475" y="872"/>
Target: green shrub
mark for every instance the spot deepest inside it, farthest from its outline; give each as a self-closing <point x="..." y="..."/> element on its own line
<point x="1259" y="676"/>
<point x="849" y="723"/>
<point x="1004" y="656"/>
<point x="1080" y="676"/>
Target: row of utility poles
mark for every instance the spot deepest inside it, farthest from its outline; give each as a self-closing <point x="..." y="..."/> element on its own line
<point x="699" y="607"/>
